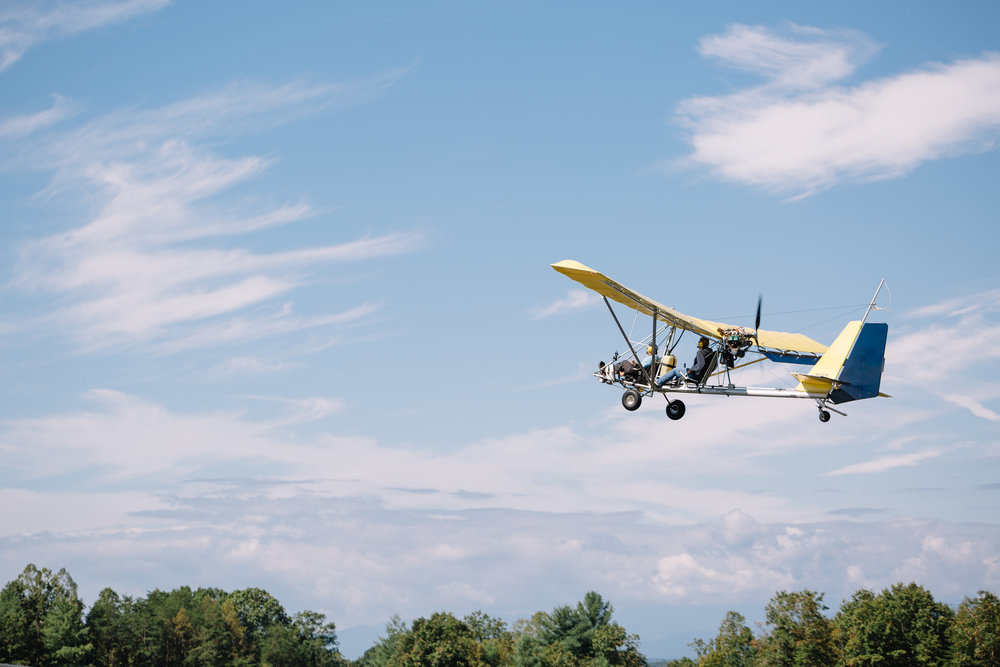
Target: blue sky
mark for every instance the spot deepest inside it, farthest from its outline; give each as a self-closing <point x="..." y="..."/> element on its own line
<point x="278" y="309"/>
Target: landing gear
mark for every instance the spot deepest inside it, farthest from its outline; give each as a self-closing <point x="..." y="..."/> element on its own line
<point x="824" y="416"/>
<point x="631" y="400"/>
<point x="675" y="410"/>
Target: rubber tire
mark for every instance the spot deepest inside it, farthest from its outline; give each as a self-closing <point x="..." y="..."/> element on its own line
<point x="824" y="416"/>
<point x="631" y="400"/>
<point x="675" y="410"/>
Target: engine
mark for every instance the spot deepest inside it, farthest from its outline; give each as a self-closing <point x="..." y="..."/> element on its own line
<point x="735" y="343"/>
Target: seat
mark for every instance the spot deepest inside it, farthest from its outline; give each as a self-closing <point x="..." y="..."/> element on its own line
<point x="699" y="379"/>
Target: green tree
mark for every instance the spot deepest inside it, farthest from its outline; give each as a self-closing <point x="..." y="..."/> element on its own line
<point x="902" y="626"/>
<point x="64" y="634"/>
<point x="492" y="634"/>
<point x="217" y="640"/>
<point x="797" y="634"/>
<point x="258" y="610"/>
<point x="975" y="632"/>
<point x="439" y="641"/>
<point x="183" y="634"/>
<point x="281" y="647"/>
<point x="382" y="651"/>
<point x="15" y="636"/>
<point x="108" y="625"/>
<point x="732" y="647"/>
<point x="581" y="635"/>
<point x="185" y="627"/>
<point x="41" y="619"/>
<point x="574" y="628"/>
<point x="243" y="653"/>
<point x="614" y="646"/>
<point x="318" y="639"/>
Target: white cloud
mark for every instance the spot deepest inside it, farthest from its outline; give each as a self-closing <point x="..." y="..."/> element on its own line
<point x="887" y="463"/>
<point x="156" y="261"/>
<point x="973" y="406"/>
<point x="73" y="513"/>
<point x="803" y="130"/>
<point x="807" y="58"/>
<point x="127" y="439"/>
<point x="960" y="306"/>
<point x="683" y="577"/>
<point x="946" y="344"/>
<point x="248" y="365"/>
<point x="575" y="300"/>
<point x="638" y="508"/>
<point x="25" y="25"/>
<point x="21" y="126"/>
<point x="304" y="410"/>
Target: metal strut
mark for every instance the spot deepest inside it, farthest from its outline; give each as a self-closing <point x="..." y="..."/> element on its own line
<point x="872" y="304"/>
<point x="625" y="335"/>
<point x="824" y="406"/>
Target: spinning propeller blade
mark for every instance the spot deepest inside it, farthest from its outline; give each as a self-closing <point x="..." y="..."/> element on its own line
<point x="756" y="322"/>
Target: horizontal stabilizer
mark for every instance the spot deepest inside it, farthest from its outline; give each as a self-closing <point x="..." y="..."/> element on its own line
<point x="815" y="384"/>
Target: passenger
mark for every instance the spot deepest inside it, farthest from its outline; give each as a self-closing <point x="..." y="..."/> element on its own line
<point x="675" y="376"/>
<point x="629" y="366"/>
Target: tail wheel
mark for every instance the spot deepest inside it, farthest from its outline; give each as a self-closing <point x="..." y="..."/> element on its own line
<point x="824" y="416"/>
<point x="675" y="410"/>
<point x="631" y="400"/>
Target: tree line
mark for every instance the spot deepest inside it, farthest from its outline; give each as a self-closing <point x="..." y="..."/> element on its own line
<point x="44" y="623"/>
<point x="903" y="626"/>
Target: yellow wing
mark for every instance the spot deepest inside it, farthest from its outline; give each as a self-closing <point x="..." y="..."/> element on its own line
<point x="588" y="277"/>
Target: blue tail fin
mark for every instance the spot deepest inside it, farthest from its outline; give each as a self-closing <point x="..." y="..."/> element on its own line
<point x="862" y="371"/>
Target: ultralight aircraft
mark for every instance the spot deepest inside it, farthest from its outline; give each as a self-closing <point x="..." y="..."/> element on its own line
<point x="848" y="370"/>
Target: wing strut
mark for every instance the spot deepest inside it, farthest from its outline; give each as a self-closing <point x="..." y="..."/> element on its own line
<point x="653" y="366"/>
<point x="625" y="336"/>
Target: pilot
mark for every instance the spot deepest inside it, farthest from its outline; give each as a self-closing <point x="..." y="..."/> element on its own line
<point x="676" y="375"/>
<point x="630" y="365"/>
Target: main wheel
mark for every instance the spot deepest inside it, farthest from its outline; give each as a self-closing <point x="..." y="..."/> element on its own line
<point x="824" y="416"/>
<point x="631" y="400"/>
<point x="675" y="410"/>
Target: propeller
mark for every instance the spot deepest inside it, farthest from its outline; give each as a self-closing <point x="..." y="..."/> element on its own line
<point x="756" y="322"/>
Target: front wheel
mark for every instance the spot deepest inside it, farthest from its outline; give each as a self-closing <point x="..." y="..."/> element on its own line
<point x="631" y="400"/>
<point x="824" y="416"/>
<point x="675" y="410"/>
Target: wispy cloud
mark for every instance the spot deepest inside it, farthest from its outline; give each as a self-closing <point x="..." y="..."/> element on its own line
<point x="887" y="463"/>
<point x="805" y="129"/>
<point x="254" y="326"/>
<point x="802" y="57"/>
<point x="24" y="25"/>
<point x="959" y="325"/>
<point x="157" y="261"/>
<point x="972" y="405"/>
<point x="960" y="306"/>
<point x="248" y="366"/>
<point x="575" y="300"/>
<point x="127" y="437"/>
<point x="20" y="126"/>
